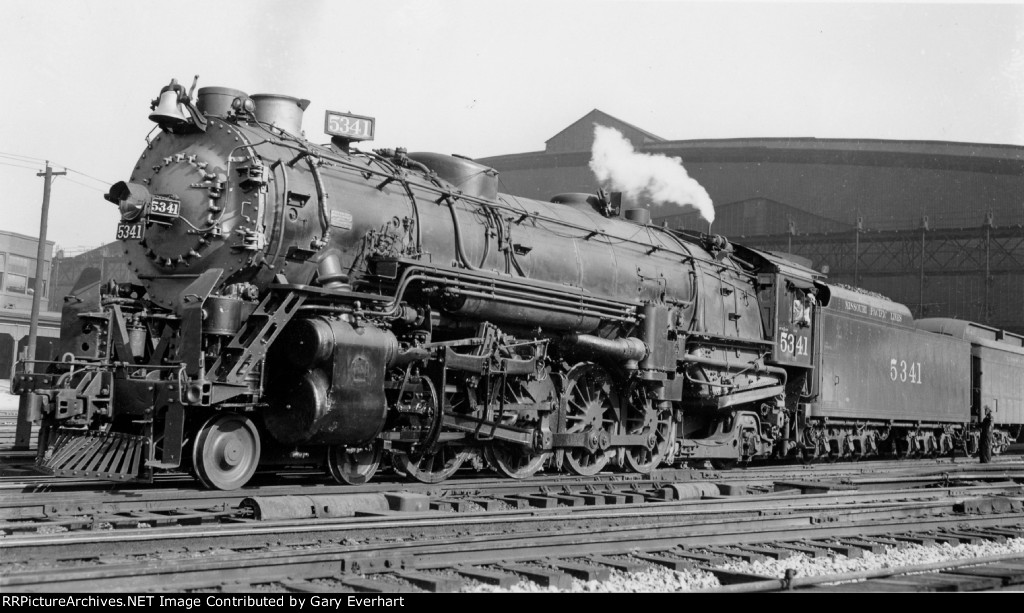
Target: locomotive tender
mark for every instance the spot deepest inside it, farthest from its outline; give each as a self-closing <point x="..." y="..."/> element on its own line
<point x="313" y="304"/>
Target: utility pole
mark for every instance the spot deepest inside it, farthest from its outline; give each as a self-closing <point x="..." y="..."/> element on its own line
<point x="23" y="428"/>
<point x="37" y="294"/>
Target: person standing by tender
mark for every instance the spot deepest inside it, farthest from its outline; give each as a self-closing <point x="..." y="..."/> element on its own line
<point x="985" y="444"/>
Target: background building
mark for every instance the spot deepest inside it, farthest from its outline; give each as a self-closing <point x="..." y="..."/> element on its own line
<point x="18" y="283"/>
<point x="77" y="273"/>
<point x="934" y="225"/>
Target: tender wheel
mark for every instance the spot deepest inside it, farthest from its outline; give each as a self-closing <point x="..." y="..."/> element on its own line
<point x="433" y="468"/>
<point x="226" y="452"/>
<point x="814" y="447"/>
<point x="907" y="448"/>
<point x="515" y="461"/>
<point x="971" y="444"/>
<point x="354" y="466"/>
<point x="590" y="402"/>
<point x="642" y="416"/>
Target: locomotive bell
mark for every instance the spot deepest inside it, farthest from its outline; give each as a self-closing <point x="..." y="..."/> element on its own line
<point x="167" y="108"/>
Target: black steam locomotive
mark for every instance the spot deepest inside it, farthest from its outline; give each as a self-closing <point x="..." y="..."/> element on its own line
<point x="307" y="304"/>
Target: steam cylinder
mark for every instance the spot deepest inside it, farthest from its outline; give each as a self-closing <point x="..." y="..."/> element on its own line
<point x="328" y="384"/>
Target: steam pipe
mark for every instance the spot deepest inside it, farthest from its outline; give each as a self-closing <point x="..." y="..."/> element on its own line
<point x="321" y="198"/>
<point x="591" y="306"/>
<point x="458" y="236"/>
<point x="279" y="211"/>
<point x="775" y="370"/>
<point x="412" y="354"/>
<point x="628" y="349"/>
<point x="486" y="291"/>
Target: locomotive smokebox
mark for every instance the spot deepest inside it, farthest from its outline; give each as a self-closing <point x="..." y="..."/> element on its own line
<point x="328" y="382"/>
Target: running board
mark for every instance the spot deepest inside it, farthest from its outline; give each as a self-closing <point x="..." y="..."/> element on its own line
<point x="88" y="453"/>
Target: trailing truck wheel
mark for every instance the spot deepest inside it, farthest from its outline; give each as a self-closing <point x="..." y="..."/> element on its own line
<point x="355" y="466"/>
<point x="226" y="452"/>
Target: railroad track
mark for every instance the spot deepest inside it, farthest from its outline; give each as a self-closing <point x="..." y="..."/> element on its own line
<point x="38" y="496"/>
<point x="36" y="508"/>
<point x="457" y="563"/>
<point x="533" y="543"/>
<point x="471" y="533"/>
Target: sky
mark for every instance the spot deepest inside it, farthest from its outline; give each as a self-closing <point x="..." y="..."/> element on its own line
<point x="490" y="77"/>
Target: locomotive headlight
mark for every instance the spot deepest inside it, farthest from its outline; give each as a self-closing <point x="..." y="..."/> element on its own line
<point x="130" y="198"/>
<point x="130" y="210"/>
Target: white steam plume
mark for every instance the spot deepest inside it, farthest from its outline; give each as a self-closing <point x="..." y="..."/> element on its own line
<point x="663" y="179"/>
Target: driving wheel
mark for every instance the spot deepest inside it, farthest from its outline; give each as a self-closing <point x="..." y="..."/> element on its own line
<point x="434" y="467"/>
<point x="590" y="402"/>
<point x="643" y="416"/>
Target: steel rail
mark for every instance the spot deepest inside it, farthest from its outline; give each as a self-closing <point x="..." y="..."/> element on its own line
<point x="824" y="506"/>
<point x="34" y="501"/>
<point x="269" y="566"/>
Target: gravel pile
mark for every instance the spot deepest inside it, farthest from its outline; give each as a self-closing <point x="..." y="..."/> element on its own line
<point x="653" y="579"/>
<point x="892" y="558"/>
<point x="659" y="579"/>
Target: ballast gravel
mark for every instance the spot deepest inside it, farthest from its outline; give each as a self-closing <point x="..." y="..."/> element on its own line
<point x="659" y="579"/>
<point x="892" y="558"/>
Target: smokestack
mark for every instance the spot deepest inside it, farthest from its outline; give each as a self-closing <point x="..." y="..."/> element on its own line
<point x="660" y="178"/>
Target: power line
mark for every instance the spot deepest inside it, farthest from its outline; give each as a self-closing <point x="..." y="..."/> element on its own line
<point x="85" y="175"/>
<point x="94" y="188"/>
<point x="19" y="166"/>
<point x="26" y="158"/>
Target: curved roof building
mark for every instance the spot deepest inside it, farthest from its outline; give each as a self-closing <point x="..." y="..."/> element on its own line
<point x="935" y="225"/>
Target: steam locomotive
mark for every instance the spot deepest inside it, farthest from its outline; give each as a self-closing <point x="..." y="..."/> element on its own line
<point x="315" y="304"/>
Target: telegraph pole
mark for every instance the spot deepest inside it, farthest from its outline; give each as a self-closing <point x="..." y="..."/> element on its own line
<point x="23" y="428"/>
<point x="37" y="294"/>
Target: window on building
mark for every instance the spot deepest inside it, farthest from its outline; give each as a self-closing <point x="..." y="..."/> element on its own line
<point x="18" y="270"/>
<point x="32" y="286"/>
<point x="3" y="263"/>
<point x="33" y="283"/>
<point x="20" y="277"/>
<point x="17" y="284"/>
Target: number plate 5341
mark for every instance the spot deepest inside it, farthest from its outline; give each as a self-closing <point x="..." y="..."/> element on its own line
<point x="130" y="231"/>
